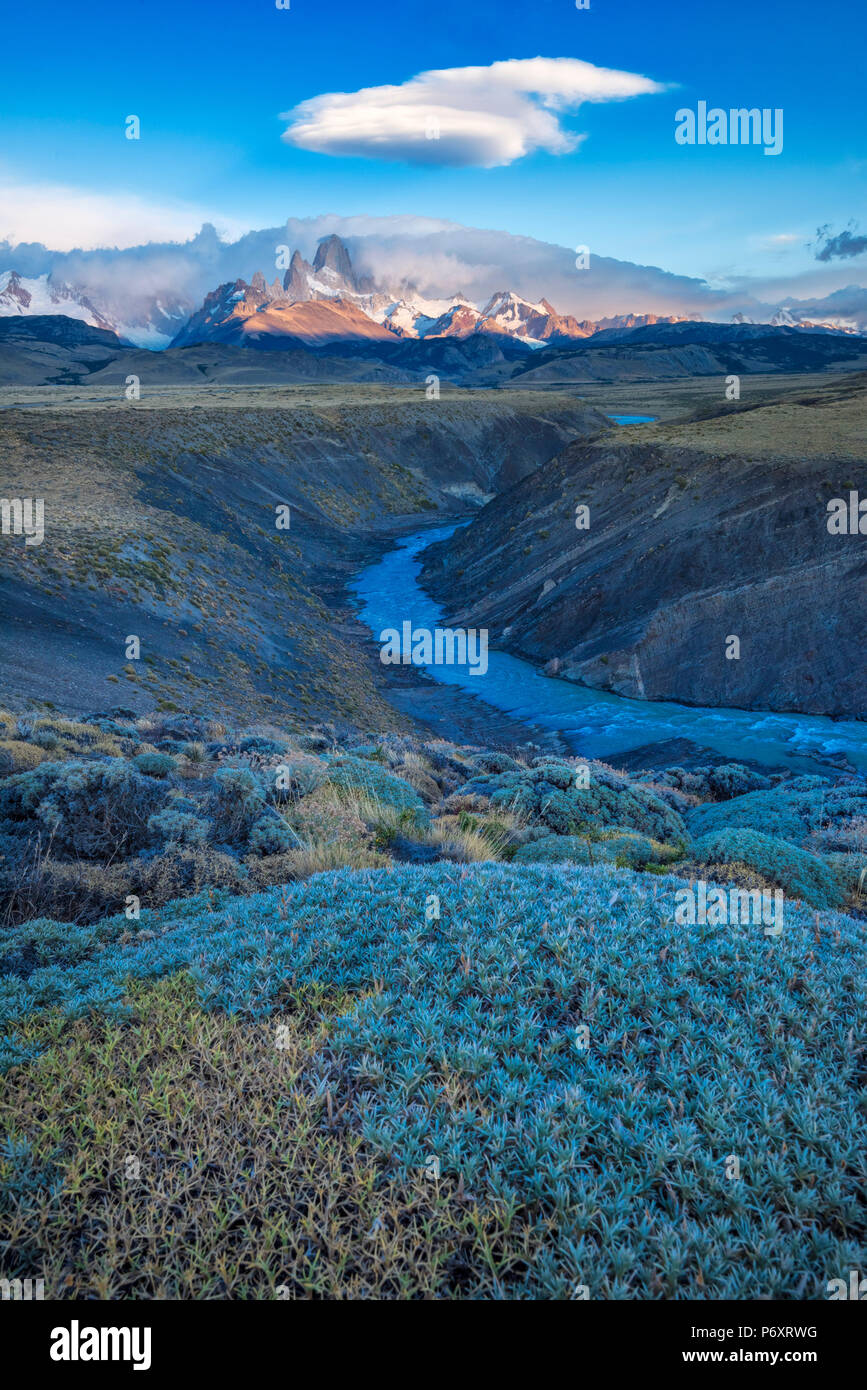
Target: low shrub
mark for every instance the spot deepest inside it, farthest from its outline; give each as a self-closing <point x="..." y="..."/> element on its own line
<point x="733" y="779"/>
<point x="549" y="794"/>
<point x="460" y="1044"/>
<point x="174" y="826"/>
<point x="18" y="756"/>
<point x="236" y="802"/>
<point x="799" y="873"/>
<point x="271" y="835"/>
<point x="299" y="776"/>
<point x="790" y="811"/>
<point x="92" y="809"/>
<point x="628" y="849"/>
<point x="355" y="775"/>
<point x="155" y="764"/>
<point x="264" y="747"/>
<point x="850" y="871"/>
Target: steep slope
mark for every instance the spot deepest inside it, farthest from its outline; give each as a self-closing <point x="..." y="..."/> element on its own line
<point x="697" y="533"/>
<point x="161" y="523"/>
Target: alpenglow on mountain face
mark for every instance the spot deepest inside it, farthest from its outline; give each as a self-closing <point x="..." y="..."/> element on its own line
<point x="327" y="300"/>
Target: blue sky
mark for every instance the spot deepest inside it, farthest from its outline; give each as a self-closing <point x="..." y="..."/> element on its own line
<point x="209" y="82"/>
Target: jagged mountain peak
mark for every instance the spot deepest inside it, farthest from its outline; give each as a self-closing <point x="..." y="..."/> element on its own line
<point x="296" y="280"/>
<point x="331" y="254"/>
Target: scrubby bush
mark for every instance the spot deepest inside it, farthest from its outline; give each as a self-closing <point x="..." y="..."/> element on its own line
<point x="77" y="738"/>
<point x="733" y="779"/>
<point x="799" y="873"/>
<point x="80" y="891"/>
<point x="93" y="809"/>
<point x="124" y="733"/>
<point x="46" y="738"/>
<point x="179" y="827"/>
<point x="636" y="851"/>
<point x="549" y="794"/>
<point x="718" y="783"/>
<point x="414" y="769"/>
<point x="299" y="776"/>
<point x="462" y="801"/>
<point x="21" y="794"/>
<point x="627" y="849"/>
<point x="271" y="835"/>
<point x="121" y="713"/>
<point x="790" y="811"/>
<point x="850" y="871"/>
<point x="842" y="836"/>
<point x="393" y="793"/>
<point x="18" y="756"/>
<point x="195" y="752"/>
<point x="495" y="762"/>
<point x="558" y="849"/>
<point x="314" y="742"/>
<point x="264" y="747"/>
<point x="448" y="762"/>
<point x="373" y="751"/>
<point x="155" y="764"/>
<point x="178" y="727"/>
<point x="236" y="802"/>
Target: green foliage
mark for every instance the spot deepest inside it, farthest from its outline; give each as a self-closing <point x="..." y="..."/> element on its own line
<point x="155" y="764"/>
<point x="92" y="809"/>
<point x="790" y="811"/>
<point x="629" y="849"/>
<point x="179" y="827"/>
<point x="719" y="783"/>
<point x="235" y="804"/>
<point x="549" y="794"/>
<point x="271" y="835"/>
<point x="799" y="873"/>
<point x="393" y="793"/>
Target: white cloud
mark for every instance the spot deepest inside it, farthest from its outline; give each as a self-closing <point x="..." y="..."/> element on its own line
<point x="486" y="116"/>
<point x="68" y="218"/>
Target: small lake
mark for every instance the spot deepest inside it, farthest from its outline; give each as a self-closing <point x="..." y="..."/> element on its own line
<point x="592" y="722"/>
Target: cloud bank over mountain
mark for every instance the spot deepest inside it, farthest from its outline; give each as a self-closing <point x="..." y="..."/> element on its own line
<point x="484" y="116"/>
<point x="439" y="259"/>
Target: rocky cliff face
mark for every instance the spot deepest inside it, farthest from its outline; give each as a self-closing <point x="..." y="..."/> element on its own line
<point x="680" y="550"/>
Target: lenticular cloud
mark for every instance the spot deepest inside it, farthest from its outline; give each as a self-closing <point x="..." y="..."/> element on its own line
<point x="484" y="116"/>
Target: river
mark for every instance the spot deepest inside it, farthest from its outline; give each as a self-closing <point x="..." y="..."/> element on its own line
<point x="594" y="723"/>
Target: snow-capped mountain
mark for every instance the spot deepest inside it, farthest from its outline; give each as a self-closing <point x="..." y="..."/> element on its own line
<point x="261" y="313"/>
<point x="117" y="292"/>
<point x="22" y="295"/>
<point x="784" y="318"/>
<point x="141" y="319"/>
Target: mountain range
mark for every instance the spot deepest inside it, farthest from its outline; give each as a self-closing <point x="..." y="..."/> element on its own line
<point x="323" y="302"/>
